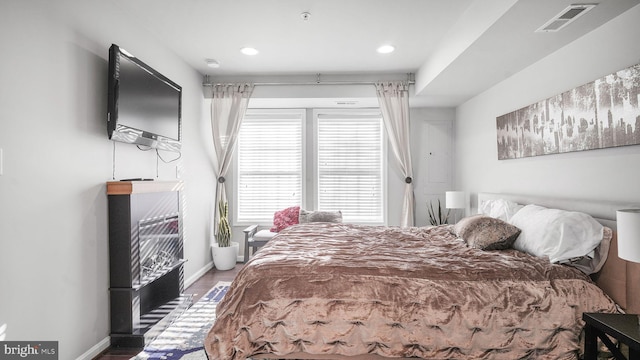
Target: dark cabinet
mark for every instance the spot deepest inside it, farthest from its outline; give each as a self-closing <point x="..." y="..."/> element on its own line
<point x="146" y="257"/>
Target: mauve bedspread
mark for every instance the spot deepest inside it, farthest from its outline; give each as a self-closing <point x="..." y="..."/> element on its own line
<point x="341" y="289"/>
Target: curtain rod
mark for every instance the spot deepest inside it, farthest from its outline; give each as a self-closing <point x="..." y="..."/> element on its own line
<point x="410" y="81"/>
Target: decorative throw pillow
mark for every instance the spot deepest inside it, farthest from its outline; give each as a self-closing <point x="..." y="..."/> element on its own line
<point x="307" y="216"/>
<point x="284" y="218"/>
<point x="486" y="233"/>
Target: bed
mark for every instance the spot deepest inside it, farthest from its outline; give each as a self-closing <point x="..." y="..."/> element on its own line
<point x="332" y="291"/>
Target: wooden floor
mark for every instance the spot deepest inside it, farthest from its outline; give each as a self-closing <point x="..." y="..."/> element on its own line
<point x="198" y="289"/>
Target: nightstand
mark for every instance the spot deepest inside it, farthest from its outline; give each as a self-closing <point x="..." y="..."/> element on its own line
<point x="622" y="327"/>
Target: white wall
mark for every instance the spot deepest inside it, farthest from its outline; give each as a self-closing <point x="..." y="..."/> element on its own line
<point x="607" y="174"/>
<point x="53" y="207"/>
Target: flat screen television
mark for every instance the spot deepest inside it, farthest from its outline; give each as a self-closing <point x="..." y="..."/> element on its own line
<point x="144" y="106"/>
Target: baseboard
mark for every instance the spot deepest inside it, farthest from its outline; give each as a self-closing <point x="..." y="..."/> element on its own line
<point x="193" y="278"/>
<point x="96" y="350"/>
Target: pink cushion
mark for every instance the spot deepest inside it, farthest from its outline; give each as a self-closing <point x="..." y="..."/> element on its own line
<point x="285" y="218"/>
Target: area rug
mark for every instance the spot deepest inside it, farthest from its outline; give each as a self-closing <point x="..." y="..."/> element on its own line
<point x="184" y="339"/>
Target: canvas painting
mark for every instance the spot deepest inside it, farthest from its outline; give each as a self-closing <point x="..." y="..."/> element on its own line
<point x="601" y="114"/>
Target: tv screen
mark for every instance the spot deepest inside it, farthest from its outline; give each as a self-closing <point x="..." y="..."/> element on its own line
<point x="144" y="106"/>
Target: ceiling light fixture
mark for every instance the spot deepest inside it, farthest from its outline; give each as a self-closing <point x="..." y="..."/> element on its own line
<point x="386" y="49"/>
<point x="249" y="51"/>
<point x="212" y="63"/>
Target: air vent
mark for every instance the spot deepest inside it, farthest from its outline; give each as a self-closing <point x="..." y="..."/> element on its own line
<point x="565" y="17"/>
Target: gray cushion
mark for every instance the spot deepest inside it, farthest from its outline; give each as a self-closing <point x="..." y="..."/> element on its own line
<point x="307" y="216"/>
<point x="486" y="233"/>
<point x="264" y="235"/>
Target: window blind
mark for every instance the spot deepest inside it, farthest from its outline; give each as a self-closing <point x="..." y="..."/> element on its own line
<point x="270" y="171"/>
<point x="350" y="166"/>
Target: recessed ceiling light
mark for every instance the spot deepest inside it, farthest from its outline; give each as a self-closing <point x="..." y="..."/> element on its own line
<point x="386" y="49"/>
<point x="249" y="51"/>
<point x="212" y="63"/>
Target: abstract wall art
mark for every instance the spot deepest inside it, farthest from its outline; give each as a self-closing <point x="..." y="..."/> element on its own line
<point x="601" y="114"/>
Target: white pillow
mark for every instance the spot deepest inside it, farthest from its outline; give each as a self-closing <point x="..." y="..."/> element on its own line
<point x="557" y="234"/>
<point x="499" y="209"/>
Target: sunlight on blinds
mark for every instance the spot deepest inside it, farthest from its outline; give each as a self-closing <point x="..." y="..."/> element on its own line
<point x="269" y="166"/>
<point x="349" y="167"/>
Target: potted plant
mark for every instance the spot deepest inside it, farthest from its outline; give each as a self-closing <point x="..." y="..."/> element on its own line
<point x="439" y="217"/>
<point x="224" y="251"/>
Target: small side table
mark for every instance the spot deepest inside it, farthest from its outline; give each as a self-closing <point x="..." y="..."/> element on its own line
<point x="255" y="239"/>
<point x="622" y="327"/>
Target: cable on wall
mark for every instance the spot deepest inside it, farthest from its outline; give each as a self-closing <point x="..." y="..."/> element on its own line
<point x="168" y="161"/>
<point x="143" y="148"/>
<point x="113" y="161"/>
<point x="159" y="157"/>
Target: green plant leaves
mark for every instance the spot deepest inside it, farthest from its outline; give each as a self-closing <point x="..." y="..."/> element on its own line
<point x="438" y="218"/>
<point x="223" y="237"/>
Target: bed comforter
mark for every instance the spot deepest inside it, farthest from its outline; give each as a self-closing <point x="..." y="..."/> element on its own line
<point x="340" y="289"/>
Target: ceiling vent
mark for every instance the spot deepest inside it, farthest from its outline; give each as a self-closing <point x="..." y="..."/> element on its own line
<point x="565" y="17"/>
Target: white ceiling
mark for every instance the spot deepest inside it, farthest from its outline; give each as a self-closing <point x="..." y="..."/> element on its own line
<point x="455" y="48"/>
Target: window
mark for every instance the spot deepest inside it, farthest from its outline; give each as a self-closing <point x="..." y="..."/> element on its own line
<point x="346" y="164"/>
<point x="269" y="164"/>
<point x="350" y="165"/>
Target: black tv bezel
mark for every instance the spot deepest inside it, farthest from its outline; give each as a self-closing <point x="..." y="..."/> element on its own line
<point x="123" y="133"/>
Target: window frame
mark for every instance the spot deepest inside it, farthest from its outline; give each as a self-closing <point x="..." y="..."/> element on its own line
<point x="309" y="153"/>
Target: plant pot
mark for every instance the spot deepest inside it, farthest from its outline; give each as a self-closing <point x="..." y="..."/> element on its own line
<point x="224" y="258"/>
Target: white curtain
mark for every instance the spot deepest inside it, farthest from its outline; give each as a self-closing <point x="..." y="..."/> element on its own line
<point x="228" y="107"/>
<point x="394" y="104"/>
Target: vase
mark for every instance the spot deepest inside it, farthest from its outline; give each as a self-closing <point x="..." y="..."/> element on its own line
<point x="224" y="258"/>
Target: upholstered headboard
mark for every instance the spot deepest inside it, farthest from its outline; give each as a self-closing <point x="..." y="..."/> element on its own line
<point x="618" y="278"/>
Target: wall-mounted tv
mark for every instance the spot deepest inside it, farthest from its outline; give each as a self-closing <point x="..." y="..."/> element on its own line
<point x="144" y="107"/>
